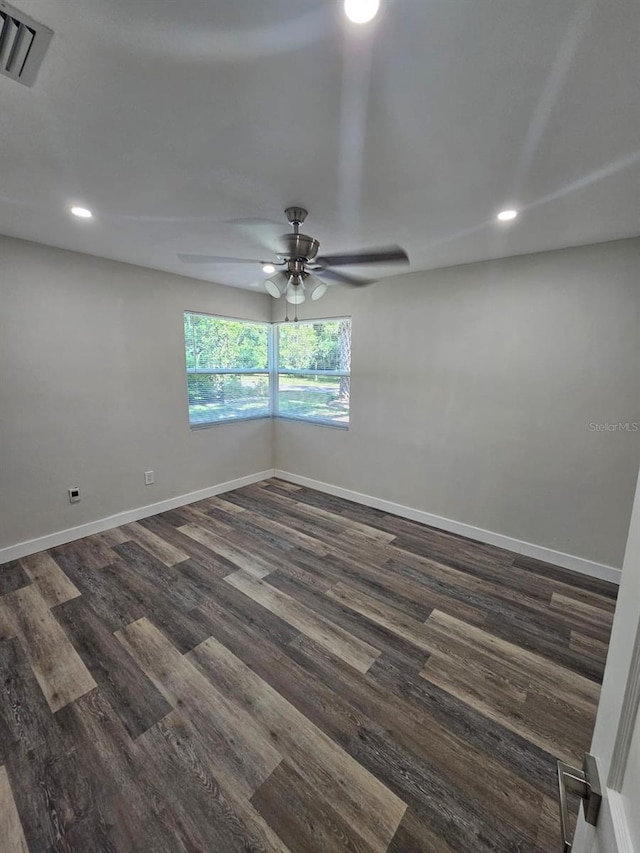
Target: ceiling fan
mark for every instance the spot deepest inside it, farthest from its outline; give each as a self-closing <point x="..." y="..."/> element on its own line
<point x="303" y="271"/>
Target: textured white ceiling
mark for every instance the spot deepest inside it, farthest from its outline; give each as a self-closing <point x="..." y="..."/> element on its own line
<point x="168" y="118"/>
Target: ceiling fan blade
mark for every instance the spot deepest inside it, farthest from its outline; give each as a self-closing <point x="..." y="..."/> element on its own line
<point x="341" y="278"/>
<point x="264" y="232"/>
<point x="384" y="255"/>
<point x="215" y="259"/>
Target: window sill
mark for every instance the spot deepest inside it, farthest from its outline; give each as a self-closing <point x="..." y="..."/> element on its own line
<point x="312" y="421"/>
<point x="224" y="421"/>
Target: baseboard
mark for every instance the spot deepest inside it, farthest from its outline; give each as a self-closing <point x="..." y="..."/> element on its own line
<point x="527" y="549"/>
<point x="42" y="543"/>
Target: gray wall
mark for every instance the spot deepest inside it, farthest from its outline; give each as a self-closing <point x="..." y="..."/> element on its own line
<point x="93" y="391"/>
<point x="472" y="393"/>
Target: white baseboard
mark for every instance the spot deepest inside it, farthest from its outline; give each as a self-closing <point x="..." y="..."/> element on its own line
<point x="42" y="543"/>
<point x="527" y="549"/>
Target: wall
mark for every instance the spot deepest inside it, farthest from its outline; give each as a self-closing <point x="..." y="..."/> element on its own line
<point x="93" y="390"/>
<point x="473" y="390"/>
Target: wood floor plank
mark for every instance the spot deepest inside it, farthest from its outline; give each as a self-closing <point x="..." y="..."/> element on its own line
<point x="356" y="795"/>
<point x="553" y="645"/>
<point x="549" y="829"/>
<point x="327" y="572"/>
<point x="589" y="647"/>
<point x="590" y="615"/>
<point x="114" y="536"/>
<point x="535" y="718"/>
<point x="359" y="626"/>
<point x="12" y="576"/>
<point x="220" y="726"/>
<point x="266" y="654"/>
<point x="454" y="819"/>
<point x="442" y="578"/>
<point x="356" y="653"/>
<point x="522" y="603"/>
<point x="231" y="603"/>
<point x="282" y="484"/>
<point x="277" y="508"/>
<point x="416" y="836"/>
<point x="250" y="563"/>
<point x="439" y="672"/>
<point x="128" y="813"/>
<point x="167" y="579"/>
<point x="48" y="791"/>
<point x="226" y="506"/>
<point x="55" y="587"/>
<point x="58" y="667"/>
<point x="210" y="813"/>
<point x="213" y="562"/>
<point x="361" y="558"/>
<point x="12" y="838"/>
<point x="521" y="664"/>
<point x="389" y="617"/>
<point x="280" y="670"/>
<point x="135" y="592"/>
<point x="412" y="732"/>
<point x="468" y="560"/>
<point x="6" y="625"/>
<point x="565" y="576"/>
<point x="302" y="817"/>
<point x="525" y="759"/>
<point x="291" y="535"/>
<point x="341" y="522"/>
<point x="124" y="685"/>
<point x="156" y="545"/>
<point x="83" y="554"/>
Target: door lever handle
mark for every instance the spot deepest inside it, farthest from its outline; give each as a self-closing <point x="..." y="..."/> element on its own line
<point x="585" y="783"/>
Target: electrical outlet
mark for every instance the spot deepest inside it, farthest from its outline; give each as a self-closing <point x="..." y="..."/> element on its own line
<point x="74" y="494"/>
<point x="149" y="478"/>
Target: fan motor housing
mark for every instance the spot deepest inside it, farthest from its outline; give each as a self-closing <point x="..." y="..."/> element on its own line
<point x="299" y="246"/>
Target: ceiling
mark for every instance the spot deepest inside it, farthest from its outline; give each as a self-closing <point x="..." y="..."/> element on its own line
<point x="168" y="119"/>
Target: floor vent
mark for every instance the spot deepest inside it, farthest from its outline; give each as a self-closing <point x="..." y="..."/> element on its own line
<point x="23" y="44"/>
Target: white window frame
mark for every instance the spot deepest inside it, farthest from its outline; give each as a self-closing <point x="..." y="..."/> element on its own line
<point x="272" y="372"/>
<point x="234" y="371"/>
<point x="292" y="372"/>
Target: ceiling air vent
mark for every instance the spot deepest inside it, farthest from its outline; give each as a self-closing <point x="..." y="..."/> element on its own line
<point x="23" y="43"/>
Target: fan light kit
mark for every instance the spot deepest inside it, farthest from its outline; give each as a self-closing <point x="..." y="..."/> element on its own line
<point x="82" y="212"/>
<point x="361" y="11"/>
<point x="299" y="271"/>
<point x="507" y="215"/>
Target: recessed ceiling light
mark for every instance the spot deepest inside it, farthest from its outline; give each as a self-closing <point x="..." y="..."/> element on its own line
<point x="81" y="212"/>
<point x="268" y="268"/>
<point x="361" y="11"/>
<point x="507" y="215"/>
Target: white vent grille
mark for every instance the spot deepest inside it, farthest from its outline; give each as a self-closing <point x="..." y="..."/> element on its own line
<point x="23" y="43"/>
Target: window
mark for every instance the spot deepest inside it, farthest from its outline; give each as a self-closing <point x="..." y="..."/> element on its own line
<point x="238" y="369"/>
<point x="313" y="371"/>
<point x="227" y="369"/>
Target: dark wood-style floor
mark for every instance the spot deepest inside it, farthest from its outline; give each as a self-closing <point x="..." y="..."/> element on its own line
<point x="279" y="670"/>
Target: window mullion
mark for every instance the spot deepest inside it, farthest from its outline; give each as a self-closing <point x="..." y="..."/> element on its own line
<point x="273" y="370"/>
